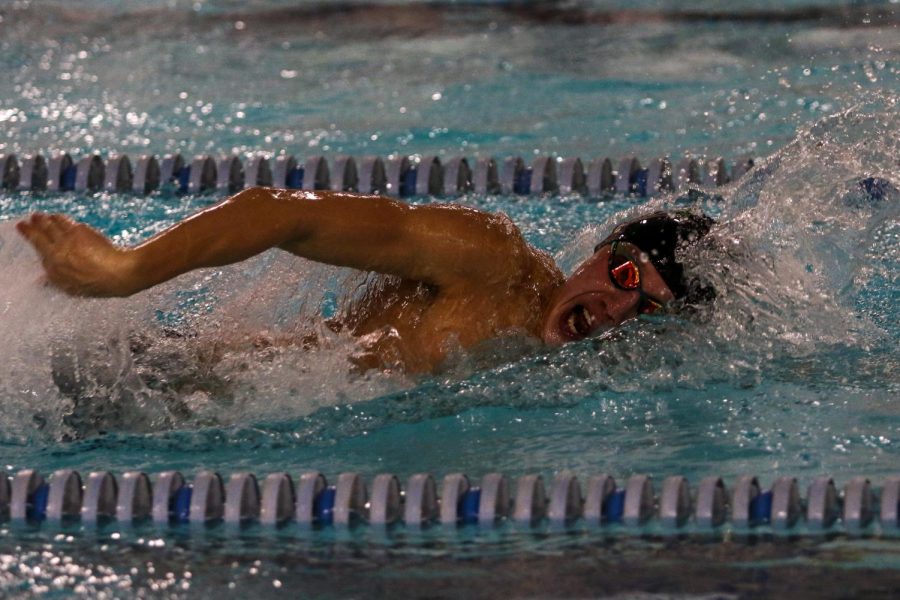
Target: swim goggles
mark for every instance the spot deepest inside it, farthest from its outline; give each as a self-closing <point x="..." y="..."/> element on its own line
<point x="626" y="275"/>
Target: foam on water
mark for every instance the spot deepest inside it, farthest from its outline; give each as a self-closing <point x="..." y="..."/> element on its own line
<point x="210" y="348"/>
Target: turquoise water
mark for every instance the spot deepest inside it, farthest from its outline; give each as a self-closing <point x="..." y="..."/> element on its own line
<point x="794" y="370"/>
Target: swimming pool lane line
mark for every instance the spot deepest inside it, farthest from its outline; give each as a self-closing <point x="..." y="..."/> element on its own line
<point x="858" y="509"/>
<point x="400" y="176"/>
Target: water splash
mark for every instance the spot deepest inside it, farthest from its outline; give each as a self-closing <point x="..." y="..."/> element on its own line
<point x="210" y="348"/>
<point x="805" y="264"/>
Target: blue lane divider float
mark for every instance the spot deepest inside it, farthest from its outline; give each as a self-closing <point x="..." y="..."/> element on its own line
<point x="408" y="182"/>
<point x="400" y="176"/>
<point x="37" y="509"/>
<point x="467" y="508"/>
<point x="614" y="507"/>
<point x="324" y="506"/>
<point x="180" y="505"/>
<point x="761" y="509"/>
<point x="600" y="502"/>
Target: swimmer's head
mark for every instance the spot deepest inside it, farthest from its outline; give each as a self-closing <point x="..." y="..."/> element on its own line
<point x="661" y="235"/>
<point x="635" y="270"/>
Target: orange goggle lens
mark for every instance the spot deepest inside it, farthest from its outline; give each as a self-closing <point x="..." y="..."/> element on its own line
<point x="626" y="275"/>
<point x="648" y="306"/>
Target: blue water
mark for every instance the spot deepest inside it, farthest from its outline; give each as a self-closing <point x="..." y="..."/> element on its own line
<point x="793" y="371"/>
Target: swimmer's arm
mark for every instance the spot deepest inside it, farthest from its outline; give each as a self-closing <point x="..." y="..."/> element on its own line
<point x="441" y="245"/>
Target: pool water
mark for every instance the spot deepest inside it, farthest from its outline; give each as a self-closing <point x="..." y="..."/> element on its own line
<point x="792" y="371"/>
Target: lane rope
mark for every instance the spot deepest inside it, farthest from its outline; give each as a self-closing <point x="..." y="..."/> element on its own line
<point x="399" y="176"/>
<point x="566" y="501"/>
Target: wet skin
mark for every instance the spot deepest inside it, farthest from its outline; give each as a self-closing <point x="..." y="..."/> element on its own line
<point x="589" y="303"/>
<point x="460" y="276"/>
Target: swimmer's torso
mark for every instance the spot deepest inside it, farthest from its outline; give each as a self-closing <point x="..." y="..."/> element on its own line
<point x="413" y="326"/>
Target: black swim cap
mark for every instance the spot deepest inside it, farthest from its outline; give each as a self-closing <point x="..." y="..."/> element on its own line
<point x="660" y="234"/>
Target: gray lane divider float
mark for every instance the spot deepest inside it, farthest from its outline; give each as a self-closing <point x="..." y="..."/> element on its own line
<point x="170" y="169"/>
<point x="712" y="501"/>
<point x="746" y="492"/>
<point x="453" y="488"/>
<point x="511" y="170"/>
<point x="421" y="501"/>
<point x="284" y="172"/>
<point x="531" y="500"/>
<point x="206" y="499"/>
<point x="715" y="173"/>
<point x="309" y="487"/>
<point x="786" y="507"/>
<point x="457" y="177"/>
<point x="675" y="501"/>
<point x="65" y="496"/>
<point x="638" y="500"/>
<point x="58" y="168"/>
<point x="27" y="489"/>
<point x="258" y="171"/>
<point x="659" y="178"/>
<point x="344" y="176"/>
<point x="396" y="168"/>
<point x="135" y="497"/>
<point x="626" y="175"/>
<point x="119" y="176"/>
<point x="543" y="176"/>
<point x="9" y="172"/>
<point x="33" y="174"/>
<point x="890" y="502"/>
<point x="350" y="499"/>
<point x="229" y="174"/>
<point x="5" y="496"/>
<point x="571" y="178"/>
<point x="202" y="175"/>
<point x="242" y="501"/>
<point x="400" y="176"/>
<point x="316" y="174"/>
<point x="486" y="178"/>
<point x="858" y="503"/>
<point x="167" y="488"/>
<point x="494" y="501"/>
<point x="822" y="503"/>
<point x="686" y="173"/>
<point x="566" y="502"/>
<point x="385" y="505"/>
<point x="599" y="490"/>
<point x="278" y="498"/>
<point x="90" y="172"/>
<point x="372" y="175"/>
<point x="100" y="499"/>
<point x="601" y="179"/>
<point x="429" y="177"/>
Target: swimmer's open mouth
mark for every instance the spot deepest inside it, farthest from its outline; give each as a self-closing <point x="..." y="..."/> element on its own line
<point x="579" y="323"/>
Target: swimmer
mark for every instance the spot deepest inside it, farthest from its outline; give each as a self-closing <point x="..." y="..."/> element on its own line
<point x="460" y="276"/>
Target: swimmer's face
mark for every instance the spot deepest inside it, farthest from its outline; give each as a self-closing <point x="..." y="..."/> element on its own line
<point x="604" y="292"/>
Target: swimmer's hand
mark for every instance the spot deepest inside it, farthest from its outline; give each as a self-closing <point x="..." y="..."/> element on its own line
<point x="78" y="259"/>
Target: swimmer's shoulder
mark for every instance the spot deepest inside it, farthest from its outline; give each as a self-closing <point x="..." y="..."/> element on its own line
<point x="491" y="250"/>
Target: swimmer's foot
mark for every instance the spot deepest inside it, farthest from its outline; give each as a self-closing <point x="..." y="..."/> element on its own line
<point x="76" y="258"/>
